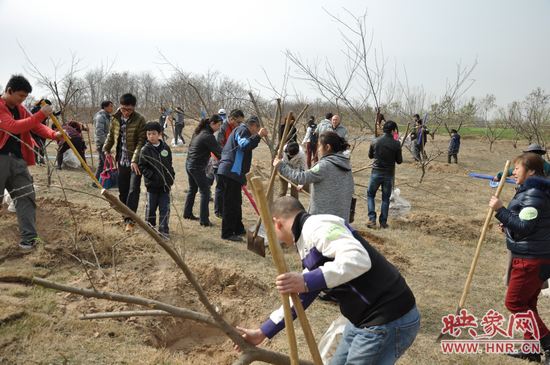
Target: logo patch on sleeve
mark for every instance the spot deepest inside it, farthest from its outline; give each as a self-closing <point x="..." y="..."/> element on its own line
<point x="528" y="214"/>
<point x="335" y="232"/>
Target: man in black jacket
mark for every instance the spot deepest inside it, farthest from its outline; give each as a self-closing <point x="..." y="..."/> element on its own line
<point x="234" y="165"/>
<point x="386" y="152"/>
<point x="155" y="164"/>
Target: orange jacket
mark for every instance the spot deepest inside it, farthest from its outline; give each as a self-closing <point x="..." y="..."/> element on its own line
<point x="23" y="127"/>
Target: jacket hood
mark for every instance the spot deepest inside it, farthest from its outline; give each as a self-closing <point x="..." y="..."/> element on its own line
<point x="537" y="182"/>
<point x="339" y="160"/>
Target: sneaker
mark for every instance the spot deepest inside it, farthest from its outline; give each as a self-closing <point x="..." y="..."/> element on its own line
<point x="29" y="245"/>
<point x="191" y="217"/>
<point x="129" y="227"/>
<point x="371" y="224"/>
<point x="384" y="225"/>
<point x="234" y="238"/>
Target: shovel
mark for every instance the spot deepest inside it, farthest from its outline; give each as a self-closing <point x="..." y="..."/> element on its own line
<point x="475" y="259"/>
<point x="255" y="242"/>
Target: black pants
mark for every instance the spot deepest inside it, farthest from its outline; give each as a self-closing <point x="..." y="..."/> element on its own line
<point x="197" y="182"/>
<point x="101" y="160"/>
<point x="218" y="195"/>
<point x="129" y="185"/>
<point x="454" y="155"/>
<point x="79" y="145"/>
<point x="178" y="133"/>
<point x="232" y="214"/>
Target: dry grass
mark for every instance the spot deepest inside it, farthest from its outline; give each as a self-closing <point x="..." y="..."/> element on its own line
<point x="432" y="246"/>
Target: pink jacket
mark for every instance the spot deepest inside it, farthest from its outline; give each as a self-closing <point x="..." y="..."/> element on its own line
<point x="23" y="127"/>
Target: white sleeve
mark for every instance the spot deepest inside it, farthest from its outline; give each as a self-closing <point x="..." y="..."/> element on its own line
<point x="351" y="259"/>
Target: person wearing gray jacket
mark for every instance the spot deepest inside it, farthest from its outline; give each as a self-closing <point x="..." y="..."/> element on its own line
<point x="102" y="123"/>
<point x="331" y="179"/>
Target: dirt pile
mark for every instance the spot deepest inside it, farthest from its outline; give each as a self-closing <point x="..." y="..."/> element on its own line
<point x="384" y="246"/>
<point x="442" y="226"/>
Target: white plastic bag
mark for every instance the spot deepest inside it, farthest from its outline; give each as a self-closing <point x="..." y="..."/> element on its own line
<point x="180" y="142"/>
<point x="9" y="202"/>
<point x="398" y="205"/>
<point x="70" y="160"/>
<point x="331" y="338"/>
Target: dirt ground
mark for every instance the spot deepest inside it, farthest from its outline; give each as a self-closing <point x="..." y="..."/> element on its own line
<point x="432" y="246"/>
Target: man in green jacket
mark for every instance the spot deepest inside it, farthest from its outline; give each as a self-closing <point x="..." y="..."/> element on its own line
<point x="126" y="137"/>
<point x="534" y="148"/>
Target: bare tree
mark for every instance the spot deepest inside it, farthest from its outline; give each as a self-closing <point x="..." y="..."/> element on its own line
<point x="64" y="83"/>
<point x="494" y="128"/>
<point x="530" y="118"/>
<point x="358" y="86"/>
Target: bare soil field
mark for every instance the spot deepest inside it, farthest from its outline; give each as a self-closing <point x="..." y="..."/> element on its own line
<point x="432" y="246"/>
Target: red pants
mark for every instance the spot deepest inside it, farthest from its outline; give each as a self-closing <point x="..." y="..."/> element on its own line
<point x="524" y="288"/>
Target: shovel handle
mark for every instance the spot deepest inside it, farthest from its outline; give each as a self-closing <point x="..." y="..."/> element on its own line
<point x="280" y="264"/>
<point x="490" y="212"/>
<point x="296" y="186"/>
<point x="73" y="148"/>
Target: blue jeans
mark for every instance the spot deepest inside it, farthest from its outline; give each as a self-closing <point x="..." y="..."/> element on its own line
<point x="162" y="202"/>
<point x="377" y="344"/>
<point x="377" y="180"/>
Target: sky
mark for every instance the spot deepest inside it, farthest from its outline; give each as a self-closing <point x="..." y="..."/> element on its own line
<point x="241" y="38"/>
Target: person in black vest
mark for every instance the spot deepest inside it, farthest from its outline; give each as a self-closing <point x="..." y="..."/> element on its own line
<point x="370" y="291"/>
<point x="234" y="165"/>
<point x="203" y="143"/>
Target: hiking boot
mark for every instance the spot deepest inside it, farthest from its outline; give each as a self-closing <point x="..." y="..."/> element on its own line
<point x="524" y="356"/>
<point x="384" y="225"/>
<point x="129" y="227"/>
<point x="371" y="224"/>
<point x="191" y="217"/>
<point x="30" y="244"/>
<point x="234" y="238"/>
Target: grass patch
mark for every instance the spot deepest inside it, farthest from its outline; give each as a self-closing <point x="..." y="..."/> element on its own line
<point x="507" y="133"/>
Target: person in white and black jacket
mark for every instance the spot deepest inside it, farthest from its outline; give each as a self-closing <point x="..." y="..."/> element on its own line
<point x="372" y="294"/>
<point x="155" y="164"/>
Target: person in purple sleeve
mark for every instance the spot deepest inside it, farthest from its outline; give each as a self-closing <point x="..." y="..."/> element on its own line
<point x="371" y="293"/>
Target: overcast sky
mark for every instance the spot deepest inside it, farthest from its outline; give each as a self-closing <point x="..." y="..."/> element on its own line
<point x="509" y="39"/>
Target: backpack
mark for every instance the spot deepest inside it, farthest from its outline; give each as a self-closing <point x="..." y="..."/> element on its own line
<point x="314" y="137"/>
<point x="109" y="176"/>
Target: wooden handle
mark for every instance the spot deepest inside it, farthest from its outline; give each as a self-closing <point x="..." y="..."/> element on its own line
<point x="73" y="148"/>
<point x="280" y="264"/>
<point x="296" y="186"/>
<point x="481" y="239"/>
